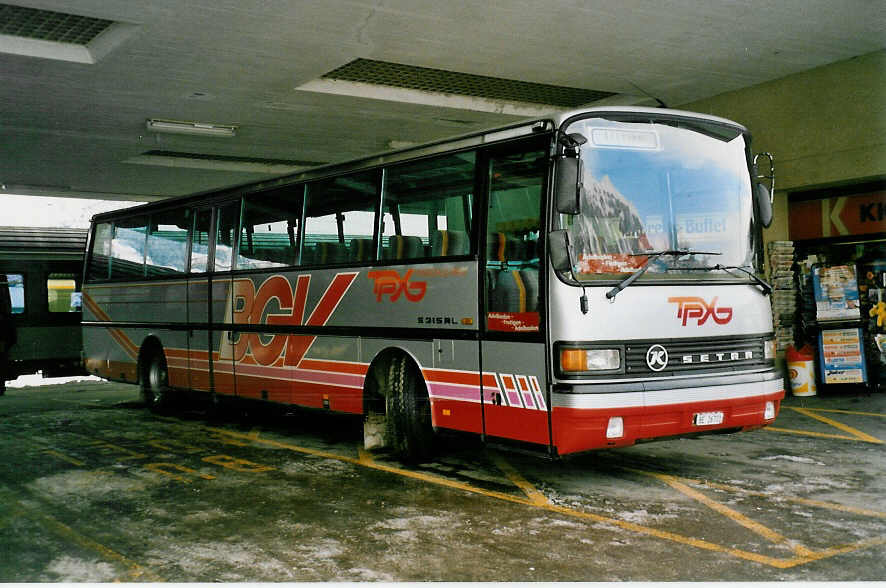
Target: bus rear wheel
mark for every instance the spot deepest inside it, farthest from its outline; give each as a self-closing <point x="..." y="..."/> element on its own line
<point x="155" y="383"/>
<point x="408" y="412"/>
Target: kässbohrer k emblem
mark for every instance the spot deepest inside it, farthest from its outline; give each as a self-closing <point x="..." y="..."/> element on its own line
<point x="657" y="357"/>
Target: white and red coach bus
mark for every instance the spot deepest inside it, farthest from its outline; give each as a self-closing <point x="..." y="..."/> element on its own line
<point x="578" y="282"/>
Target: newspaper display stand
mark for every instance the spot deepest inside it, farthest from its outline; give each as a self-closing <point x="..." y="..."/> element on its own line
<point x="838" y="317"/>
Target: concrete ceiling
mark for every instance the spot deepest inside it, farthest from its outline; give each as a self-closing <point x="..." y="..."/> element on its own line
<point x="72" y="120"/>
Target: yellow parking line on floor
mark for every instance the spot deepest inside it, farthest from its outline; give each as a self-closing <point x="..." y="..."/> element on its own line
<point x="795" y="499"/>
<point x="846" y="428"/>
<point x="841" y="411"/>
<point x="135" y="571"/>
<point x="519" y="481"/>
<point x="364" y="459"/>
<point x="730" y="513"/>
<point x="64" y="457"/>
<point x="811" y="433"/>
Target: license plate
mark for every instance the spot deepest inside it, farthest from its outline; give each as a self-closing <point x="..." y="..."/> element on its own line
<point x="702" y="419"/>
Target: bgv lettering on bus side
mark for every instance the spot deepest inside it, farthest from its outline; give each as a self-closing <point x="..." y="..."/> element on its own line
<point x="251" y="307"/>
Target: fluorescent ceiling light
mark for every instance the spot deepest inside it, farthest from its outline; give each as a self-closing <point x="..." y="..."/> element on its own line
<point x="159" y="125"/>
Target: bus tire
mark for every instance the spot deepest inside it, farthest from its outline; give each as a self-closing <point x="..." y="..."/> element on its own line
<point x="155" y="383"/>
<point x="408" y="407"/>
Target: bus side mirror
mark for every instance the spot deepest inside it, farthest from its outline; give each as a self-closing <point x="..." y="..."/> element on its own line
<point x="568" y="185"/>
<point x="558" y="246"/>
<point x="761" y="192"/>
<point x="764" y="204"/>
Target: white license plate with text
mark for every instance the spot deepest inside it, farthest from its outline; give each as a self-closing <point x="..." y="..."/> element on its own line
<point x="702" y="419"/>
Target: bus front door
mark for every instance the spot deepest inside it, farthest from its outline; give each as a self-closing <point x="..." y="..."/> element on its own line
<point x="512" y="348"/>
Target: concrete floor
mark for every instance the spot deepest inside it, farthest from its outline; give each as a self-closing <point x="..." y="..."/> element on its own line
<point x="95" y="488"/>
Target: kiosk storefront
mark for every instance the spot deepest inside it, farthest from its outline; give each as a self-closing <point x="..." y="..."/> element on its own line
<point x="839" y="238"/>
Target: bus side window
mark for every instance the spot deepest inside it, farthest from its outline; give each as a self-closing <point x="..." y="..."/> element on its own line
<point x="200" y="241"/>
<point x="227" y="221"/>
<point x="100" y="261"/>
<point x="269" y="231"/>
<point x="340" y="213"/>
<point x="167" y="244"/>
<point x="128" y="248"/>
<point x="427" y="207"/>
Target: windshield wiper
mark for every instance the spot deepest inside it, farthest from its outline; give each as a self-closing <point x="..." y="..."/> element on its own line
<point x="757" y="279"/>
<point x="652" y="255"/>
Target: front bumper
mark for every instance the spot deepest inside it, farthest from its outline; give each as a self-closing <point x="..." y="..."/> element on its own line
<point x="663" y="408"/>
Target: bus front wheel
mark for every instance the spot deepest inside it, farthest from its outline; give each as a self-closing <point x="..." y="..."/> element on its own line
<point x="408" y="411"/>
<point x="155" y="383"/>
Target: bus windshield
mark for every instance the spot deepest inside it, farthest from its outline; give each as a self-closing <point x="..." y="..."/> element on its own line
<point x="660" y="186"/>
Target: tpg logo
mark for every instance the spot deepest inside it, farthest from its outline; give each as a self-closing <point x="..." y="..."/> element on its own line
<point x="693" y="307"/>
<point x="390" y="283"/>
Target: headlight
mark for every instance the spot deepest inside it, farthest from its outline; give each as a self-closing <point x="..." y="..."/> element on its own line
<point x="575" y="360"/>
<point x="769" y="349"/>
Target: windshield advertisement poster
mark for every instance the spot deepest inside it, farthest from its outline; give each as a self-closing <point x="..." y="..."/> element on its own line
<point x="836" y="292"/>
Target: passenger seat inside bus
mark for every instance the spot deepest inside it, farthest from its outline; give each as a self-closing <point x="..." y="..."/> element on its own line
<point x="514" y="286"/>
<point x="360" y="250"/>
<point x="515" y="291"/>
<point x="446" y="242"/>
<point x="327" y="252"/>
<point x="404" y="247"/>
<point x="502" y="247"/>
<point x="276" y="256"/>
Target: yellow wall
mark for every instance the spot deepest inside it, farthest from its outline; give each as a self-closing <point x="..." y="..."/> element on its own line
<point x="825" y="126"/>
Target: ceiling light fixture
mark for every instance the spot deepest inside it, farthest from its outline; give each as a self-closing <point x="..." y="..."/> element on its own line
<point x="159" y="125"/>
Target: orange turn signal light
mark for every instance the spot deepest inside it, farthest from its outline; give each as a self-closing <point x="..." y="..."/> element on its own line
<point x="573" y="360"/>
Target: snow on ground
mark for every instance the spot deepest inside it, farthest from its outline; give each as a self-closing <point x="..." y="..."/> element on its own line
<point x="37" y="379"/>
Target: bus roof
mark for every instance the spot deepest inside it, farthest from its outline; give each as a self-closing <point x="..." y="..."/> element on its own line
<point x="562" y="117"/>
<point x="515" y="130"/>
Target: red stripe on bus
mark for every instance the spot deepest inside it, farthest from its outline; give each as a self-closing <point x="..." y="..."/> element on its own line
<point x="460" y="377"/>
<point x="452" y="377"/>
<point x="343" y="367"/>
